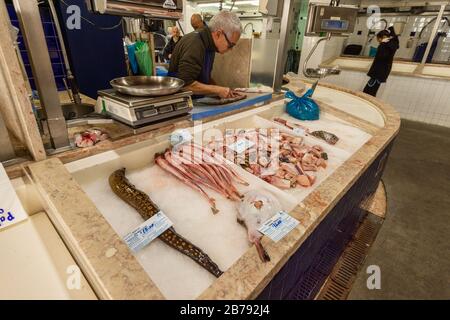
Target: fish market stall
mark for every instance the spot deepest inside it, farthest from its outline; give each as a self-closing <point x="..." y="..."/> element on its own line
<point x="249" y="202"/>
<point x="327" y="169"/>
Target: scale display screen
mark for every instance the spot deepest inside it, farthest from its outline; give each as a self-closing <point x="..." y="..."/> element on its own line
<point x="335" y="25"/>
<point x="339" y="21"/>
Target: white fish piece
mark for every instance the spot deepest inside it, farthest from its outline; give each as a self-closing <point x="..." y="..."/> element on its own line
<point x="257" y="207"/>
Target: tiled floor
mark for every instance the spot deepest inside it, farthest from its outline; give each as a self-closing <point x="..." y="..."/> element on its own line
<point x="413" y="246"/>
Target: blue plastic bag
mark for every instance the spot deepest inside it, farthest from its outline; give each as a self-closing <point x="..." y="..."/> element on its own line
<point x="373" y="52"/>
<point x="161" y="71"/>
<point x="302" y="108"/>
<point x="131" y="49"/>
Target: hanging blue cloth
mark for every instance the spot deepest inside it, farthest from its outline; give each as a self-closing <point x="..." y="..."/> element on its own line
<point x="302" y="108"/>
<point x="131" y="49"/>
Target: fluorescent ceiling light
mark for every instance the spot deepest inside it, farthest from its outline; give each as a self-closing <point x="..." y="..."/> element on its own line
<point x="208" y="5"/>
<point x="251" y="2"/>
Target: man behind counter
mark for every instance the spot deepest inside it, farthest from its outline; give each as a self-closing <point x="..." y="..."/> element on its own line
<point x="193" y="56"/>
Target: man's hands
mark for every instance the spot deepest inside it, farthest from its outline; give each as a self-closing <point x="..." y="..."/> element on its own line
<point x="213" y="90"/>
<point x="224" y="93"/>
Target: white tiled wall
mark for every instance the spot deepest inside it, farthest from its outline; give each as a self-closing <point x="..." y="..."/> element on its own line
<point x="418" y="99"/>
<point x="413" y="24"/>
<point x="333" y="48"/>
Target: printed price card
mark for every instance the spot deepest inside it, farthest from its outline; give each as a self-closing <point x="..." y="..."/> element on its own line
<point x="300" y="131"/>
<point x="180" y="136"/>
<point x="11" y="210"/>
<point x="277" y="227"/>
<point x="241" y="145"/>
<point x="147" y="231"/>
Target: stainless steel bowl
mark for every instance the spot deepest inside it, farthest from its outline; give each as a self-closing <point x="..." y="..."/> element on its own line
<point x="322" y="72"/>
<point x="147" y="86"/>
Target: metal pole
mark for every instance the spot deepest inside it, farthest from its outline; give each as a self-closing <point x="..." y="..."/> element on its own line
<point x="305" y="64"/>
<point x="74" y="93"/>
<point x="286" y="20"/>
<point x="33" y="34"/>
<point x="433" y="35"/>
<point x="60" y="37"/>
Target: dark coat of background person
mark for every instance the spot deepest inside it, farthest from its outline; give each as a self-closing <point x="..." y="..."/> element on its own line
<point x="168" y="49"/>
<point x="382" y="64"/>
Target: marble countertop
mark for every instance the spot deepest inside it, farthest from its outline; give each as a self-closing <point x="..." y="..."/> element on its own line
<point x="115" y="274"/>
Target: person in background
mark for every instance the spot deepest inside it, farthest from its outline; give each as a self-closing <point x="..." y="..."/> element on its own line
<point x="169" y="33"/>
<point x="193" y="56"/>
<point x="382" y="64"/>
<point x="197" y="21"/>
<point x="168" y="49"/>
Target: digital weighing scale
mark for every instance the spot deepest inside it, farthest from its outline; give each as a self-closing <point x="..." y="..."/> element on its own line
<point x="142" y="111"/>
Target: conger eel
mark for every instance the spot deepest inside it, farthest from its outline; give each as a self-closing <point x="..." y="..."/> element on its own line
<point x="146" y="208"/>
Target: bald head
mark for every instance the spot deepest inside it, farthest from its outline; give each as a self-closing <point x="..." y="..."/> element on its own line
<point x="197" y="21"/>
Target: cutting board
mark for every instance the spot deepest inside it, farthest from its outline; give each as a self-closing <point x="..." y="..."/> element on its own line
<point x="201" y="111"/>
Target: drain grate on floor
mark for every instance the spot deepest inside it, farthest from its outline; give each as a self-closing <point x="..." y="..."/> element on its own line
<point x="328" y="258"/>
<point x="340" y="281"/>
<point x="308" y="285"/>
<point x="333" y="292"/>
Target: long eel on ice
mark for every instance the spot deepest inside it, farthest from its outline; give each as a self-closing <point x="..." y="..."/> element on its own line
<point x="147" y="208"/>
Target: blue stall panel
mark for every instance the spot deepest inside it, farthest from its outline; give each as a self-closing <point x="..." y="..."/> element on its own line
<point x="95" y="50"/>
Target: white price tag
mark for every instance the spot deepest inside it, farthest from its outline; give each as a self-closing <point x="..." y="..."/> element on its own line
<point x="180" y="136"/>
<point x="11" y="210"/>
<point x="277" y="227"/>
<point x="241" y="145"/>
<point x="299" y="131"/>
<point x="147" y="231"/>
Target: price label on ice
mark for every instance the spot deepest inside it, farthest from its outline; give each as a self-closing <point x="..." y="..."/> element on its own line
<point x="241" y="145"/>
<point x="277" y="227"/>
<point x="180" y="136"/>
<point x="147" y="231"/>
<point x="300" y="131"/>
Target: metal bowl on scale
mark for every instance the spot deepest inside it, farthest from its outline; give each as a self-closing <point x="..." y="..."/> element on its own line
<point x="145" y="86"/>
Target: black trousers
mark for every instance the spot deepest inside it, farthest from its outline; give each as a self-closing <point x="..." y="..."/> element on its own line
<point x="372" y="87"/>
